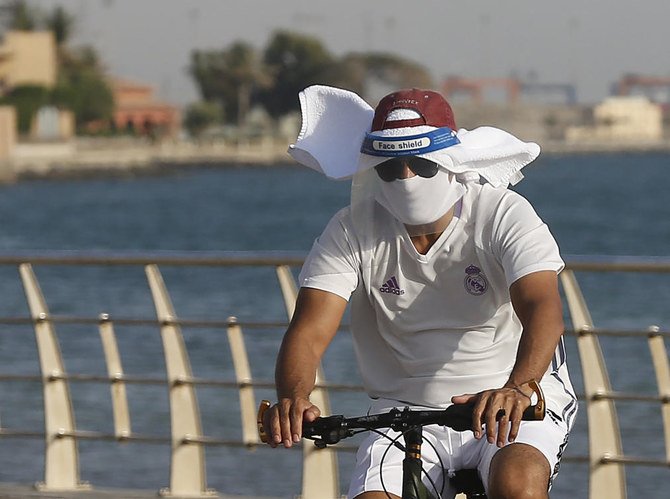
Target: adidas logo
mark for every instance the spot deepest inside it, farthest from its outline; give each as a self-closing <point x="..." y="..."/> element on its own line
<point x="391" y="286"/>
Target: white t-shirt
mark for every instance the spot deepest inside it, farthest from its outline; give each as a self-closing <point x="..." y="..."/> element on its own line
<point x="427" y="327"/>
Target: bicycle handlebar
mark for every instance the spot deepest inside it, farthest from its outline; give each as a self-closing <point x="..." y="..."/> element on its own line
<point x="330" y="430"/>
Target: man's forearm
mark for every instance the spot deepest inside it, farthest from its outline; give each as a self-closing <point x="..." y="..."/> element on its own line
<point x="295" y="373"/>
<point x="313" y="325"/>
<point x="541" y="316"/>
<point x="536" y="349"/>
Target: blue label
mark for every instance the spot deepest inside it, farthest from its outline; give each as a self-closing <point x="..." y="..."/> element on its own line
<point x="409" y="146"/>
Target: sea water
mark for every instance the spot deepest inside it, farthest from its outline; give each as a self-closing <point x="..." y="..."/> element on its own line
<point x="594" y="204"/>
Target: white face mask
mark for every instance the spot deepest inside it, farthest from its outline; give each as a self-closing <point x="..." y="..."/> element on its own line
<point x="418" y="200"/>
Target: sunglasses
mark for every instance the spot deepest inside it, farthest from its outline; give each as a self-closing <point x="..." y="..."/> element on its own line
<point x="394" y="169"/>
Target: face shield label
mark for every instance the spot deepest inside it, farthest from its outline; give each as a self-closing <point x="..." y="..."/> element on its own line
<point x="441" y="138"/>
<point x="400" y="145"/>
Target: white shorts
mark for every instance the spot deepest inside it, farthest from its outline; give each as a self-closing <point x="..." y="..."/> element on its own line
<point x="379" y="463"/>
<point x="444" y="451"/>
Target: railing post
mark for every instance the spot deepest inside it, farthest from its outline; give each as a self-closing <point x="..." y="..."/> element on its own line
<point x="320" y="476"/>
<point x="607" y="479"/>
<point x="61" y="458"/>
<point x="187" y="465"/>
<point x="243" y="376"/>
<point x="115" y="372"/>
<point x="659" y="358"/>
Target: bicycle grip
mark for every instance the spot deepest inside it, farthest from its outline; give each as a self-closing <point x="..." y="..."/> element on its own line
<point x="264" y="406"/>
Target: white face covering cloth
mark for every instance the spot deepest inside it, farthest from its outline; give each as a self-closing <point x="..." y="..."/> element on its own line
<point x="418" y="200"/>
<point x="335" y="122"/>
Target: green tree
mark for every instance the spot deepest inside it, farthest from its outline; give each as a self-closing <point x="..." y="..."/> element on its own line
<point x="207" y="68"/>
<point x="201" y="115"/>
<point x="295" y="61"/>
<point x="231" y="77"/>
<point x="61" y="24"/>
<point x="349" y="72"/>
<point x="389" y="71"/>
<point x="83" y="88"/>
<point x="236" y="78"/>
<point x="18" y="15"/>
<point x="26" y="99"/>
<point x="81" y="84"/>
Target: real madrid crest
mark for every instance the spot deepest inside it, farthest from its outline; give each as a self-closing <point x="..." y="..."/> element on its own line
<point x="475" y="281"/>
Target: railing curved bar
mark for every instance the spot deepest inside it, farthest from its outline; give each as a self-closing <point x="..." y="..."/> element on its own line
<point x="187" y="467"/>
<point x="242" y="368"/>
<point x="659" y="358"/>
<point x="61" y="466"/>
<point x="116" y="375"/>
<point x="606" y="479"/>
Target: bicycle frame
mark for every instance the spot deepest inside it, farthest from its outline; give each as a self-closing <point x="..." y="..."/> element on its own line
<point x="412" y="486"/>
<point x="466" y="481"/>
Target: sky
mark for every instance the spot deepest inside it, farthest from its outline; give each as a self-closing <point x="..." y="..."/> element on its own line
<point x="590" y="43"/>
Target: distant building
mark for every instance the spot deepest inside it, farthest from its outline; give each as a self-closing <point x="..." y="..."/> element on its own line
<point x="137" y="110"/>
<point x="7" y="141"/>
<point x="30" y="58"/>
<point x="621" y="119"/>
<point x="27" y="58"/>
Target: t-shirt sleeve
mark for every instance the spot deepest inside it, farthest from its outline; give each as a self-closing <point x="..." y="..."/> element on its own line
<point x="332" y="264"/>
<point x="521" y="240"/>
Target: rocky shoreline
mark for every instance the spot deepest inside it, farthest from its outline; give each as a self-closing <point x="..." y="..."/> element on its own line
<point x="131" y="157"/>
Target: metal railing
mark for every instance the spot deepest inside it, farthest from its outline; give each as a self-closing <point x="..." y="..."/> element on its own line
<point x="606" y="459"/>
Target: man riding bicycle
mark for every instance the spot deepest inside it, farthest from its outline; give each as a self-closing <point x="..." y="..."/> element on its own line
<point x="452" y="280"/>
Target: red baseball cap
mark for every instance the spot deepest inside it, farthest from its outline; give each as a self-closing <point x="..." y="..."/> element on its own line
<point x="432" y="108"/>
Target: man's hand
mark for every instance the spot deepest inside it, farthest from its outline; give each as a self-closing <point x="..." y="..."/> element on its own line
<point x="283" y="421"/>
<point x="500" y="410"/>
